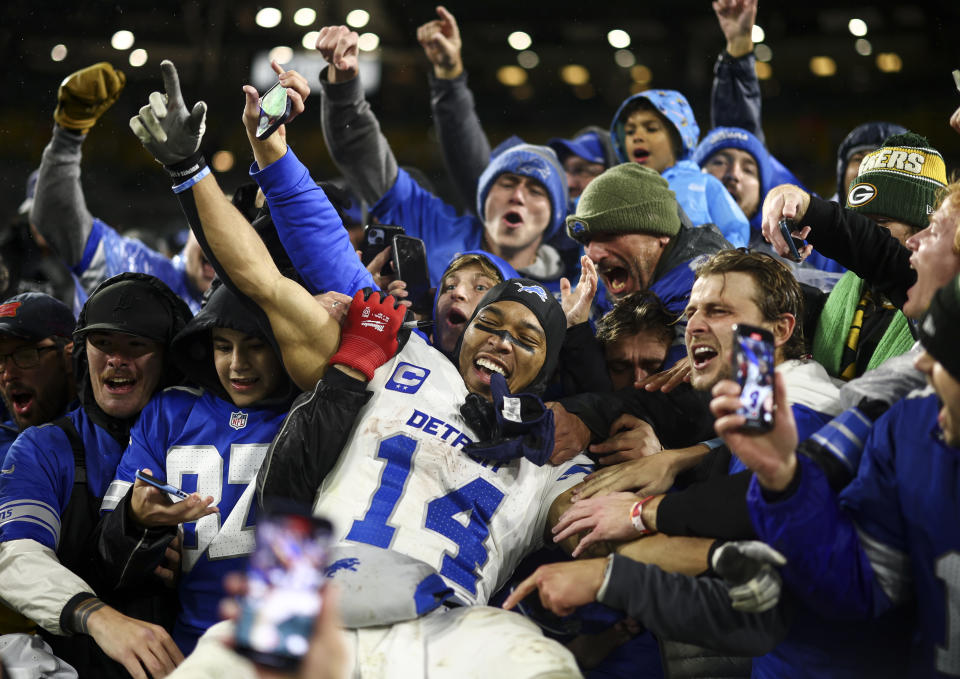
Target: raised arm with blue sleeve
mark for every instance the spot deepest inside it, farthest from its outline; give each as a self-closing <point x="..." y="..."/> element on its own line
<point x="310" y="228"/>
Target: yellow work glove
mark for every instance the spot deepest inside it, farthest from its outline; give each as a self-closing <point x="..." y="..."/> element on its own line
<point x="85" y="95"/>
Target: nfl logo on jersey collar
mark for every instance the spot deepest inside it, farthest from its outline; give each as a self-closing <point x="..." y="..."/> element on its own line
<point x="238" y="420"/>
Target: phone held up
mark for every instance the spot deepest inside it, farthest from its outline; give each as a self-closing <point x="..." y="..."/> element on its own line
<point x="795" y="244"/>
<point x="275" y="108"/>
<point x="376" y="239"/>
<point x="410" y="263"/>
<point x="753" y="365"/>
<point x="285" y="580"/>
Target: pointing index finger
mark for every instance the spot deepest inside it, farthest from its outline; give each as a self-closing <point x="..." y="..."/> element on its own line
<point x="171" y="83"/>
<point x="521" y="591"/>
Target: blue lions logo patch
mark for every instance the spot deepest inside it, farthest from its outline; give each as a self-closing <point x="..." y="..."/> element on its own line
<point x="533" y="290"/>
<point x="341" y="565"/>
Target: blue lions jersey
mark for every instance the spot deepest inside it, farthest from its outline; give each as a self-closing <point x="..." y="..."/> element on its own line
<point x="107" y="254"/>
<point x="37" y="474"/>
<point x="892" y="537"/>
<point x="201" y="443"/>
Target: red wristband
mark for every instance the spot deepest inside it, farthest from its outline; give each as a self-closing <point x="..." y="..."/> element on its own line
<point x="636" y="516"/>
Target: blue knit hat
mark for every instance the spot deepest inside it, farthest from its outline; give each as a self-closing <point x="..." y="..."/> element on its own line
<point x="673" y="106"/>
<point x="736" y="138"/>
<point x="536" y="162"/>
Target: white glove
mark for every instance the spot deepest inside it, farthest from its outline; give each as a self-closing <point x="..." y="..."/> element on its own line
<point x="748" y="568"/>
<point x="164" y="126"/>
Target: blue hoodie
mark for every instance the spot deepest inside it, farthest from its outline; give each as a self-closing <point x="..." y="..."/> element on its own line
<point x="445" y="233"/>
<point x="313" y="235"/>
<point x="772" y="173"/>
<point x="702" y="196"/>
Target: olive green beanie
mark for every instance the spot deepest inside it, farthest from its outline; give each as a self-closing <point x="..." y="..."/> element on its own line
<point x="627" y="198"/>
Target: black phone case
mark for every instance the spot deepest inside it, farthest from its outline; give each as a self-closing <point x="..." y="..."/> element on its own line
<point x="410" y="263"/>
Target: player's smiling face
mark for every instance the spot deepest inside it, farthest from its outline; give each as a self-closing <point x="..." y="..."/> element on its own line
<point x="504" y="337"/>
<point x="125" y="370"/>
<point x="247" y="366"/>
<point x="717" y="302"/>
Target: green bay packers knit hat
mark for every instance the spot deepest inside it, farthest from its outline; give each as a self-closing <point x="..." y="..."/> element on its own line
<point x="900" y="180"/>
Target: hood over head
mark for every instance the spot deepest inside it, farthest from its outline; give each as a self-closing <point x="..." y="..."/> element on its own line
<point x="536" y="162"/>
<point x="192" y="348"/>
<point x="865" y="137"/>
<point x="500" y="265"/>
<point x="673" y="106"/>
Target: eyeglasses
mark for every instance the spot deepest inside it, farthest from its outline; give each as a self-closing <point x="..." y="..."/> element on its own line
<point x="586" y="171"/>
<point x="24" y="357"/>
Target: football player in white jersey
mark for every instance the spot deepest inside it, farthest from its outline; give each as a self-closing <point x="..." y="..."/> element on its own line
<point x="430" y="528"/>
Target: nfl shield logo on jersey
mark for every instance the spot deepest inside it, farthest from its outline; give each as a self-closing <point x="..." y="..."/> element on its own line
<point x="238" y="420"/>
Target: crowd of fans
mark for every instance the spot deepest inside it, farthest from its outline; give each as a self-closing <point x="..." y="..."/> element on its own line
<point x="548" y="474"/>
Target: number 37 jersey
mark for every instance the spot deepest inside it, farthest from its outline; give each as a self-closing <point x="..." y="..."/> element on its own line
<point x="404" y="484"/>
<point x="201" y="443"/>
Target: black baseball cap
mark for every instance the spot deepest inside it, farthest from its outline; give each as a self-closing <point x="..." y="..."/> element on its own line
<point x="34" y="316"/>
<point x="131" y="306"/>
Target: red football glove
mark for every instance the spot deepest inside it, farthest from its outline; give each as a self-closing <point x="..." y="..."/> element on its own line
<point x="369" y="335"/>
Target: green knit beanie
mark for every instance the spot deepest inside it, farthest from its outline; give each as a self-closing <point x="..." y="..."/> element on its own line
<point x="627" y="198"/>
<point x="899" y="180"/>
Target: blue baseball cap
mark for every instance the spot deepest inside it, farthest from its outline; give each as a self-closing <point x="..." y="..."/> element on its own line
<point x="587" y="146"/>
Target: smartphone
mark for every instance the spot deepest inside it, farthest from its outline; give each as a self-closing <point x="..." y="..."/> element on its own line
<point x="275" y="108"/>
<point x="753" y="369"/>
<point x="376" y="239"/>
<point x="285" y="579"/>
<point x="795" y="244"/>
<point x="162" y="485"/>
<point x="410" y="264"/>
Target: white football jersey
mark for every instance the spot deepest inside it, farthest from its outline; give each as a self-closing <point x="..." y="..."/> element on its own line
<point x="403" y="482"/>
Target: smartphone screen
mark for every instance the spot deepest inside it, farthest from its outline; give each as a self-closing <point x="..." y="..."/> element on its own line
<point x="285" y="578"/>
<point x="753" y="366"/>
<point x="274" y="109"/>
<point x="410" y="261"/>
